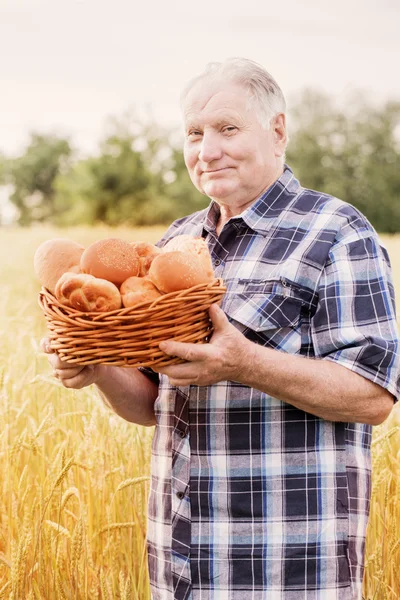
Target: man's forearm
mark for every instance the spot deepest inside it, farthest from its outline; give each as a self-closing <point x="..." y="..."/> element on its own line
<point x="320" y="387"/>
<point x="129" y="393"/>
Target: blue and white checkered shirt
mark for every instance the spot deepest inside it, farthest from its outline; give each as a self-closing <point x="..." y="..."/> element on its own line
<point x="252" y="498"/>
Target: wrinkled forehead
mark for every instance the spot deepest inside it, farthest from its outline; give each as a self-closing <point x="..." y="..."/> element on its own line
<point x="206" y="97"/>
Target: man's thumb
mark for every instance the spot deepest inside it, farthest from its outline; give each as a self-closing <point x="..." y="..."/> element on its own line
<point x="218" y="318"/>
<point x="45" y="346"/>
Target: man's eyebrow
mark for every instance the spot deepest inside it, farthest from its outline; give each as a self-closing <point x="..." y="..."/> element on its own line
<point x="218" y="122"/>
<point x="192" y="125"/>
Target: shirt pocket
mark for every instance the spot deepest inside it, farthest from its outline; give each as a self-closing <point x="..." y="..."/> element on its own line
<point x="270" y="312"/>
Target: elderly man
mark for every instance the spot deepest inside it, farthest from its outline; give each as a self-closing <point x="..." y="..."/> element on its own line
<point x="261" y="452"/>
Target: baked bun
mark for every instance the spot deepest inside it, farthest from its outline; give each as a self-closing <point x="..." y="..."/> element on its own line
<point x="194" y="245"/>
<point x="147" y="253"/>
<point x="137" y="289"/>
<point x="87" y="293"/>
<point x="55" y="257"/>
<point x="111" y="259"/>
<point x="174" y="271"/>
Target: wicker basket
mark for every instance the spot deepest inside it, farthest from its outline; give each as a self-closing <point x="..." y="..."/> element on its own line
<point x="129" y="337"/>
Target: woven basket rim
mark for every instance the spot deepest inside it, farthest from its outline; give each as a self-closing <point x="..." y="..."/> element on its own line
<point x="130" y="337"/>
<point x="127" y="311"/>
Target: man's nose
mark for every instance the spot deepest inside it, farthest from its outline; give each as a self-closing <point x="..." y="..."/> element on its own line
<point x="210" y="148"/>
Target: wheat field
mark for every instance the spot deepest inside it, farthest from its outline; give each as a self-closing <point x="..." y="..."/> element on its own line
<point x="75" y="477"/>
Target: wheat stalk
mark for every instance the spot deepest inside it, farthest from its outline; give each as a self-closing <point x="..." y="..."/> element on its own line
<point x="57" y="527"/>
<point x="125" y="587"/>
<point x="385" y="436"/>
<point x="33" y="445"/>
<point x="132" y="481"/>
<point x="75" y="413"/>
<point x="115" y="526"/>
<point x="4" y="590"/>
<point x="22" y="478"/>
<point x="42" y="424"/>
<point x="17" y="446"/>
<point x="4" y="560"/>
<point x="71" y="514"/>
<point x="72" y="491"/>
<point x="45" y="503"/>
<point x="83" y="466"/>
<point x="60" y="478"/>
<point x="394" y="548"/>
<point x="113" y="472"/>
<point x="121" y="579"/>
<point x="60" y="587"/>
<point x="103" y="586"/>
<point x="77" y="544"/>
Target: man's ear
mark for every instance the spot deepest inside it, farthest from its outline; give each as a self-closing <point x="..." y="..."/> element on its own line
<point x="278" y="126"/>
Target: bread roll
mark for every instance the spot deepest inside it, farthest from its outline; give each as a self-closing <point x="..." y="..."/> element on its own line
<point x="137" y="289"/>
<point x="111" y="259"/>
<point x="194" y="245"/>
<point x="147" y="253"/>
<point x="174" y="271"/>
<point x="87" y="293"/>
<point x="55" y="257"/>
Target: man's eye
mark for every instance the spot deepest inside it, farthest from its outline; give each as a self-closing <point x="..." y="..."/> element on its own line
<point x="194" y="133"/>
<point x="229" y="128"/>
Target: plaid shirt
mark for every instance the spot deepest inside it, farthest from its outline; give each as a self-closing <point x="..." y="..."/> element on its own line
<point x="252" y="498"/>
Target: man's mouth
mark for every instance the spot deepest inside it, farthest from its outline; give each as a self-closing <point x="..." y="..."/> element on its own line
<point x="216" y="170"/>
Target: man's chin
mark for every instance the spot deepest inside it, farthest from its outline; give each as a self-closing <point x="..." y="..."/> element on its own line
<point x="218" y="192"/>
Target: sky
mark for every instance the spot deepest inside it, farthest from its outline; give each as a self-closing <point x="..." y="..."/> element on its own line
<point x="68" y="65"/>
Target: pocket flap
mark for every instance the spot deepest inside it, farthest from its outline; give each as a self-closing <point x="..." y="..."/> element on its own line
<point x="261" y="312"/>
<point x="263" y="305"/>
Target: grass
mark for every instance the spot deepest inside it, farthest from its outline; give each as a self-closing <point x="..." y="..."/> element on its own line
<point x="75" y="477"/>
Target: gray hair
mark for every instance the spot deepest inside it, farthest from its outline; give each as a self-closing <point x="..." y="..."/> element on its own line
<point x="265" y="95"/>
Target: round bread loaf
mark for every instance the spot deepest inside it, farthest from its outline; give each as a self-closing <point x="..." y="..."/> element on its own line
<point x="112" y="259"/>
<point x="87" y="293"/>
<point x="55" y="257"/>
<point x="174" y="271"/>
<point x="137" y="289"/>
<point x="147" y="253"/>
<point x="194" y="245"/>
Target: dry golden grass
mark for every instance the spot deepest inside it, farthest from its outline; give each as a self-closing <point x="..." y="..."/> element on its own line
<point x="382" y="578"/>
<point x="74" y="477"/>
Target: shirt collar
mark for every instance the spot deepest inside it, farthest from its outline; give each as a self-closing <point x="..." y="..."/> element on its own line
<point x="268" y="206"/>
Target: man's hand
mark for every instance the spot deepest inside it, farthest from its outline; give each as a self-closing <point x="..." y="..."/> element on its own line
<point x="128" y="392"/>
<point x="224" y="358"/>
<point x="70" y="375"/>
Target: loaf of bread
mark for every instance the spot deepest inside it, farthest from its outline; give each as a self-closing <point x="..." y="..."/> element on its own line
<point x="88" y="280"/>
<point x="87" y="293"/>
<point x="55" y="257"/>
<point x="112" y="259"/>
<point x="174" y="271"/>
<point x="147" y="253"/>
<point x="138" y="289"/>
<point x="196" y="246"/>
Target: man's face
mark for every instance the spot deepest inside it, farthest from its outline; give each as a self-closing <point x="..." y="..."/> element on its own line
<point x="228" y="154"/>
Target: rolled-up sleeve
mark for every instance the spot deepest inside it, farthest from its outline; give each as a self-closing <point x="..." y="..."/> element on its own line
<point x="355" y="321"/>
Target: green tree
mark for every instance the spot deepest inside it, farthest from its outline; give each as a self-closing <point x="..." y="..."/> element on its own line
<point x="122" y="184"/>
<point x="352" y="155"/>
<point x="2" y="169"/>
<point x="32" y="176"/>
<point x="137" y="178"/>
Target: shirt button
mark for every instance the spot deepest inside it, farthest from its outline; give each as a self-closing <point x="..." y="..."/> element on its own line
<point x="182" y="434"/>
<point x="180" y="495"/>
<point x="217" y="262"/>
